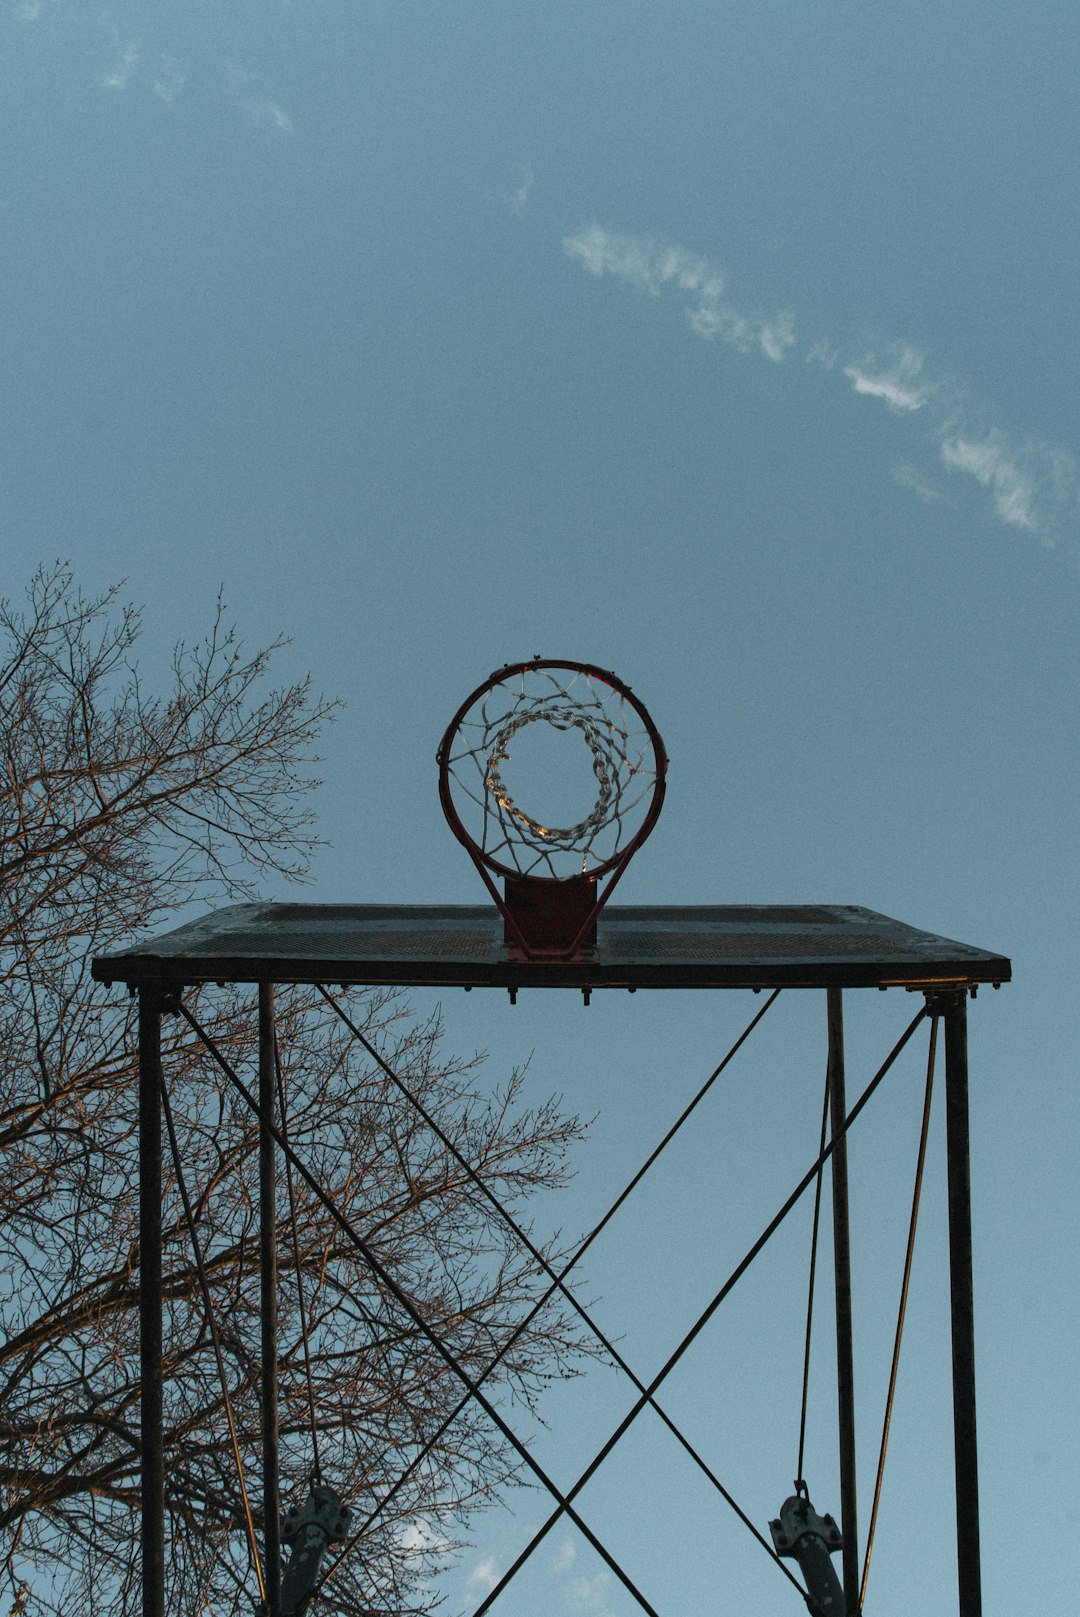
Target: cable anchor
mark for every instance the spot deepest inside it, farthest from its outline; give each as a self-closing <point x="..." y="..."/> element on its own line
<point x="309" y="1528"/>
<point x="800" y="1534"/>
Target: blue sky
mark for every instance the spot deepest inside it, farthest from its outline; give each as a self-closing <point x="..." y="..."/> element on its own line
<point x="731" y="346"/>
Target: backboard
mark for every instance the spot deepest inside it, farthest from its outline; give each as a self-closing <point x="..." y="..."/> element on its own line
<point x="637" y="946"/>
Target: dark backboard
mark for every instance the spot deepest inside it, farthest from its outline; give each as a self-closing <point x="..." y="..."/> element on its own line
<point x="733" y="946"/>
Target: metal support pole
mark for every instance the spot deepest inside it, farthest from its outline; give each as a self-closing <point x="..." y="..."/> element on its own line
<point x="969" y="1574"/>
<point x="845" y="1367"/>
<point x="151" y="1416"/>
<point x="268" y="1300"/>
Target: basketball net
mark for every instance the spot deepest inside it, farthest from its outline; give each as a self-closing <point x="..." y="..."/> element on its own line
<point x="550" y="895"/>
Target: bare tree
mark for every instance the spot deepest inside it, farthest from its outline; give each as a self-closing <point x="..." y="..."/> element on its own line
<point x="118" y="809"/>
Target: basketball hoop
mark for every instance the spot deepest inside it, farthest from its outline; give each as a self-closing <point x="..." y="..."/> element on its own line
<point x="551" y="865"/>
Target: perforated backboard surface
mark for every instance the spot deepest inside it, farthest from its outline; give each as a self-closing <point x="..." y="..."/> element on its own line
<point x="735" y="946"/>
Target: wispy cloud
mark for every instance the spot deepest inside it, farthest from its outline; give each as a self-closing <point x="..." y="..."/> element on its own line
<point x="268" y="115"/>
<point x="126" y="52"/>
<point x="910" y="477"/>
<point x="130" y="64"/>
<point x="641" y="261"/>
<point x="583" y="1594"/>
<point x="898" y="379"/>
<point x="777" y="335"/>
<point x="565" y="1556"/>
<point x="119" y="75"/>
<point x="170" y="80"/>
<point x="519" y="197"/>
<point x="655" y="267"/>
<point x="590" y="1595"/>
<point x="509" y="187"/>
<point x="261" y="112"/>
<point x="484" y="1576"/>
<point x="1031" y="484"/>
<point x="423" y="1537"/>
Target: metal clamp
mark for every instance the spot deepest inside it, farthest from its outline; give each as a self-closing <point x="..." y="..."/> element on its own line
<point x="800" y="1534"/>
<point x="309" y="1528"/>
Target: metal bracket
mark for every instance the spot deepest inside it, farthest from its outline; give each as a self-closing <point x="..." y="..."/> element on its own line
<point x="166" y="998"/>
<point x="800" y="1534"/>
<point x="941" y="1000"/>
<point x="309" y="1528"/>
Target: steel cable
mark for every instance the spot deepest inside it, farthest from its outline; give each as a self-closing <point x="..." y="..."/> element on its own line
<point x="215" y="1337"/>
<point x="908" y="1257"/>
<point x="810" y="1286"/>
<point x="304" y="1334"/>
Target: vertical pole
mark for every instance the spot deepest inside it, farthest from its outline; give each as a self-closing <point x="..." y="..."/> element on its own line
<point x="151" y="1416"/>
<point x="845" y="1366"/>
<point x="962" y="1304"/>
<point x="268" y="1300"/>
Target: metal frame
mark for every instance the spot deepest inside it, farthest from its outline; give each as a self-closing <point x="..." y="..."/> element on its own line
<point x="949" y="973"/>
<point x="268" y="1298"/>
<point x="954" y="1007"/>
<point x="845" y="1361"/>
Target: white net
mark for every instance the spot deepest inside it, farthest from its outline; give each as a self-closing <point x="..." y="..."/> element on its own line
<point x="504" y="763"/>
